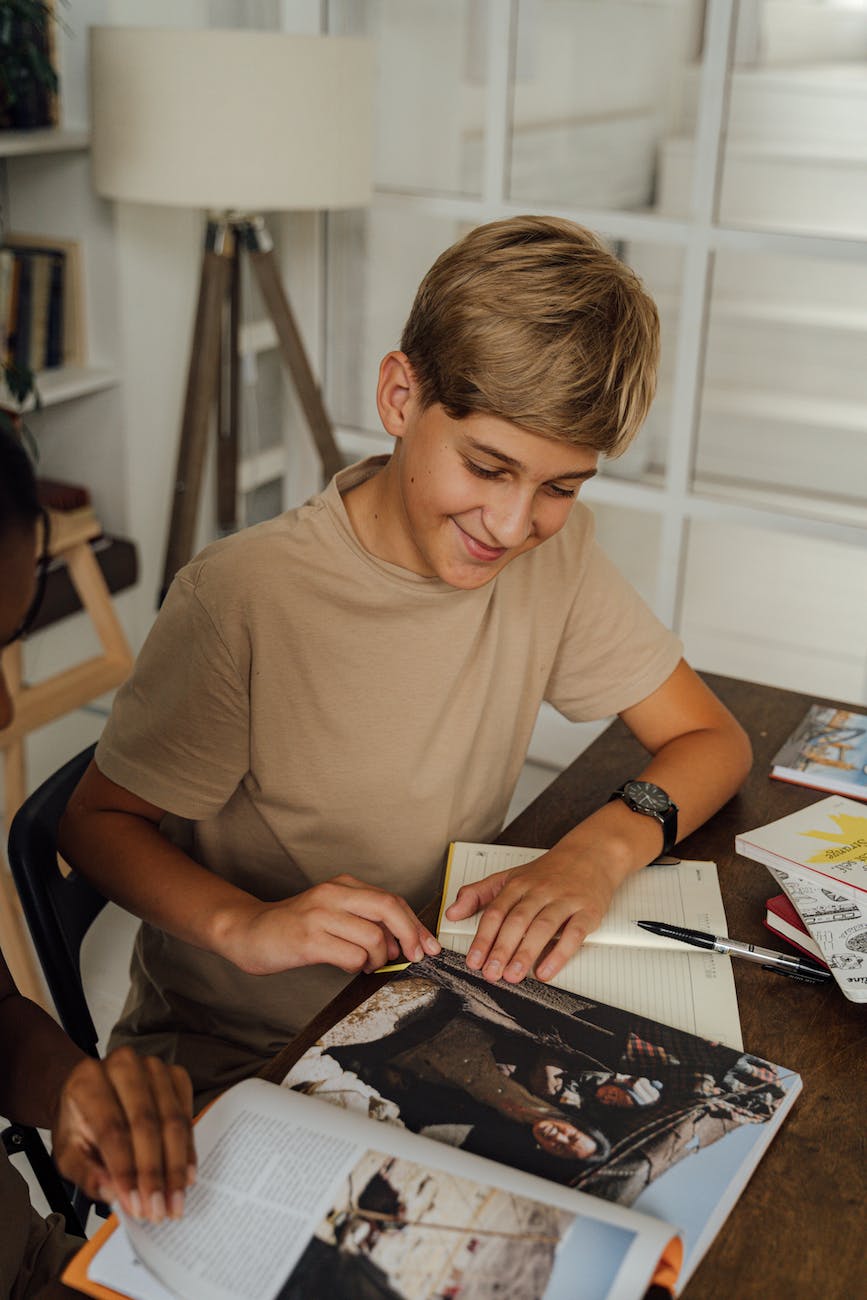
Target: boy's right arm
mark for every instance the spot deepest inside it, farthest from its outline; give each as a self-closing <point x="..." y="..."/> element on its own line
<point x="112" y="838"/>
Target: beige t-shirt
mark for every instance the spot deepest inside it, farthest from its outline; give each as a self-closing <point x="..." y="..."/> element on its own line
<point x="310" y="709"/>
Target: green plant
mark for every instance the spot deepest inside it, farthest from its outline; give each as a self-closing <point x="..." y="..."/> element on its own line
<point x="28" y="79"/>
<point x="20" y="385"/>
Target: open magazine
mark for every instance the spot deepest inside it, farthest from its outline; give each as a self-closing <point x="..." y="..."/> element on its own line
<point x="537" y="1144"/>
<point x="296" y="1201"/>
<point x="558" y="1085"/>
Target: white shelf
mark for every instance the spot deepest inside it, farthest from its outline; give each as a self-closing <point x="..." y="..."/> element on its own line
<point x="65" y="384"/>
<point x="54" y="139"/>
<point x="260" y="468"/>
<point x="257" y="336"/>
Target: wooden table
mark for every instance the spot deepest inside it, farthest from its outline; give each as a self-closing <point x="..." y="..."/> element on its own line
<point x="796" y="1232"/>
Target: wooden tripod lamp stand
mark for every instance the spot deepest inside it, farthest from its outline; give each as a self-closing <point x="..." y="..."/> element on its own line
<point x="237" y="123"/>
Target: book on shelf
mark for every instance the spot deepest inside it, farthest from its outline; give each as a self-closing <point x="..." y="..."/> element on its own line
<point x="19" y="333"/>
<point x="7" y="292"/>
<point x="818" y="857"/>
<point x="826" y="751"/>
<point x="533" y="1140"/>
<point x="782" y="919"/>
<point x="661" y="978"/>
<point x="44" y="320"/>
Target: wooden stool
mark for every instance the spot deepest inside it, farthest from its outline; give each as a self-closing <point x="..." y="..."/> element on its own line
<point x="41" y="702"/>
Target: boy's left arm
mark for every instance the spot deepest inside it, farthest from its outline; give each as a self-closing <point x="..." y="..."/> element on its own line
<point x="700" y="757"/>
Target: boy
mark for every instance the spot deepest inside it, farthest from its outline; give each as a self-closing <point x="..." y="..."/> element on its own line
<point x="348" y="687"/>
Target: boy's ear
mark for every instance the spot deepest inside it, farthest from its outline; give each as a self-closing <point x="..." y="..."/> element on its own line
<point x="394" y="390"/>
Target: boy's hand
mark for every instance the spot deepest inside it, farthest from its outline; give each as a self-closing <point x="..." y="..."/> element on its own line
<point x="342" y="922"/>
<point x="555" y="900"/>
<point x="122" y="1131"/>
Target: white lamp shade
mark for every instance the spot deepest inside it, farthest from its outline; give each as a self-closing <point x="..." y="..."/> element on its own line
<point x="231" y="120"/>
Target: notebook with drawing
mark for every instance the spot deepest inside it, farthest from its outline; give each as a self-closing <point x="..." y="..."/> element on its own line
<point x="620" y="964"/>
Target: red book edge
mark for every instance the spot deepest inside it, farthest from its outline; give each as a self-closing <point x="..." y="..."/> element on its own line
<point x="780" y="906"/>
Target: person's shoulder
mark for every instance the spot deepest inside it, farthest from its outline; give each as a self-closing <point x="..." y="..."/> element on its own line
<point x="250" y="556"/>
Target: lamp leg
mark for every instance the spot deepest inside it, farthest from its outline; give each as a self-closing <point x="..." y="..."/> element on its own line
<point x="228" y="401"/>
<point x="260" y="249"/>
<point x="200" y="394"/>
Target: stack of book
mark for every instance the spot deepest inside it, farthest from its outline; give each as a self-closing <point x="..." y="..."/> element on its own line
<point x="39" y="302"/>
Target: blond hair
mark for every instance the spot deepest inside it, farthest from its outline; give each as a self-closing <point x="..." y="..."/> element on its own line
<point x="534" y="320"/>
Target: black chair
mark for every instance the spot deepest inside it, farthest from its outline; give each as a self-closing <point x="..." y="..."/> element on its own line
<point x="20" y="1139"/>
<point x="59" y="908"/>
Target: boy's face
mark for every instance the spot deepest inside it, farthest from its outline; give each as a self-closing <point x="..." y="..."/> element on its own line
<point x="476" y="493"/>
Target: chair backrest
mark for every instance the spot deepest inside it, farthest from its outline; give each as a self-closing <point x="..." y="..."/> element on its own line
<point x="59" y="908"/>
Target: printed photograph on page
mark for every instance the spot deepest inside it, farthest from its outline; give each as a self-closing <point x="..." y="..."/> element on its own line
<point x="400" y="1231"/>
<point x="528" y="1075"/>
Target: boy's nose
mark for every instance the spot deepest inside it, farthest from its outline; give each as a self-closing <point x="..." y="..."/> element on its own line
<point x="510" y="521"/>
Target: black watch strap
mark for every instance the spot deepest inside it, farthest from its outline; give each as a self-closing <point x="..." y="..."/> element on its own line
<point x="652" y="801"/>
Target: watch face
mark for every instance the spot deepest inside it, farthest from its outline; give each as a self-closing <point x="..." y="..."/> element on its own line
<point x="646" y="796"/>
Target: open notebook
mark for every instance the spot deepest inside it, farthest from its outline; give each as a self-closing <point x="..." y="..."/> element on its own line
<point x="620" y="964"/>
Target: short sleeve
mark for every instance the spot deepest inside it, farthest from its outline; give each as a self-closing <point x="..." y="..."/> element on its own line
<point x="614" y="651"/>
<point x="178" y="735"/>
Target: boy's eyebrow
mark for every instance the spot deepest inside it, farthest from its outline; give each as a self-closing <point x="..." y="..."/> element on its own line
<point x="582" y="474"/>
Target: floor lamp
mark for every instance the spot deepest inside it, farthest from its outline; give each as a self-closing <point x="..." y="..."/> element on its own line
<point x="237" y="123"/>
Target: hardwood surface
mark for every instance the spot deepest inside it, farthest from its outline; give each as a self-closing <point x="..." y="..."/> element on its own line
<point x="796" y="1231"/>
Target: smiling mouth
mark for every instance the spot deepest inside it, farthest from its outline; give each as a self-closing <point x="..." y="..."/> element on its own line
<point x="478" y="550"/>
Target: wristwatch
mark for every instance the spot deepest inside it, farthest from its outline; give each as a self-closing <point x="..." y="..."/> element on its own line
<point x="645" y="797"/>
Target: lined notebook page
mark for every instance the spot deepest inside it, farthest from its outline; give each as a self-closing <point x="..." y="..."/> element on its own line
<point x="621" y="964"/>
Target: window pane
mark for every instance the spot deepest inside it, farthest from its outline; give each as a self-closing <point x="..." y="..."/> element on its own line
<point x="598" y="90"/>
<point x="631" y="539"/>
<point x="785" y="398"/>
<point x="661" y="270"/>
<point x="797" y="137"/>
<point x="773" y="607"/>
<point x="376" y="260"/>
<point x="429" y="87"/>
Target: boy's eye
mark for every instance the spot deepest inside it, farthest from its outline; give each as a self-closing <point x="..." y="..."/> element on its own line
<point x="557" y="491"/>
<point x="481" y="471"/>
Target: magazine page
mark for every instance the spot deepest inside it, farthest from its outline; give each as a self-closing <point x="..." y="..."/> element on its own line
<point x="619" y="963"/>
<point x="297" y="1201"/>
<point x="566" y="1087"/>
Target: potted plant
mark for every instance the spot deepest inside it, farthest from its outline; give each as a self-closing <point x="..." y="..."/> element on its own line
<point x="19" y="386"/>
<point x="28" y="78"/>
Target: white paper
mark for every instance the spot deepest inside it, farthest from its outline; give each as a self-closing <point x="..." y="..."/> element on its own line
<point x="620" y="963"/>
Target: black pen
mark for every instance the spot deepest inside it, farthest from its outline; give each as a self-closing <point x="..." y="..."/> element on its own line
<point x="803" y="968"/>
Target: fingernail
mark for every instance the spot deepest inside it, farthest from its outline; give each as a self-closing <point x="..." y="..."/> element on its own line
<point x="418" y="953"/>
<point x="432" y="945"/>
<point x="492" y="970"/>
<point x="177" y="1204"/>
<point x="474" y="959"/>
<point x="543" y="971"/>
<point x="514" y="970"/>
<point x="191" y="1175"/>
<point x="158" y="1207"/>
<point x="136" y="1205"/>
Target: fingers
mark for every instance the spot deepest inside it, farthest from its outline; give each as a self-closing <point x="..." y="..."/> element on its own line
<point x="124" y="1132"/>
<point x="392" y="913"/>
<point x="472" y="898"/>
<point x="509" y="941"/>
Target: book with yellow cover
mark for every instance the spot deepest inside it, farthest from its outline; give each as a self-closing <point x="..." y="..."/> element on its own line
<point x="818" y="857"/>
